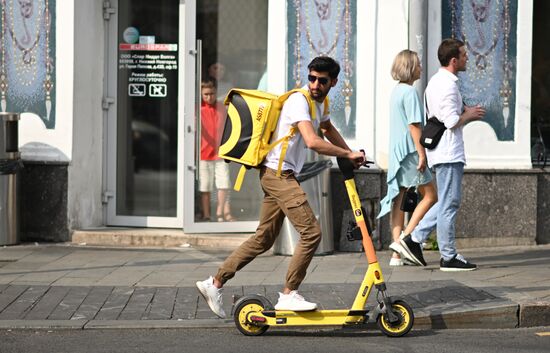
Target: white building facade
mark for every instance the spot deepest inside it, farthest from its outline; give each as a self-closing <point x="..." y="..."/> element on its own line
<point x="110" y="137"/>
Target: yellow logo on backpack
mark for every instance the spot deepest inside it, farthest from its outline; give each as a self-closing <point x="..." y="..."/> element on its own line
<point x="252" y="117"/>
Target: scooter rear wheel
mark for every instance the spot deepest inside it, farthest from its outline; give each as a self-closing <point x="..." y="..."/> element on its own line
<point x="402" y="326"/>
<point x="242" y="321"/>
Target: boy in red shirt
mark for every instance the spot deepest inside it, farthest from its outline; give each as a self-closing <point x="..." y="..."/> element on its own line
<point x="211" y="167"/>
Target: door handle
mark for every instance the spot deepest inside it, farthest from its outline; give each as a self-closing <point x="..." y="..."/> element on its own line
<point x="198" y="75"/>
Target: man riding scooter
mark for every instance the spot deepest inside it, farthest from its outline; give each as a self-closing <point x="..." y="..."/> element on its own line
<point x="283" y="196"/>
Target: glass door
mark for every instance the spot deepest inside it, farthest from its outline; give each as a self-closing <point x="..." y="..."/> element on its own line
<point x="144" y="170"/>
<point x="226" y="47"/>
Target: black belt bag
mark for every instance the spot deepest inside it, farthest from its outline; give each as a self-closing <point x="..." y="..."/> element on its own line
<point x="432" y="132"/>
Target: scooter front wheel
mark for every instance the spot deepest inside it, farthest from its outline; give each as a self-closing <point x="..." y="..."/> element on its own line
<point x="242" y="318"/>
<point x="404" y="323"/>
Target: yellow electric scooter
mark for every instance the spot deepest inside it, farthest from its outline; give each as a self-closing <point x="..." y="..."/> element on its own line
<point x="254" y="314"/>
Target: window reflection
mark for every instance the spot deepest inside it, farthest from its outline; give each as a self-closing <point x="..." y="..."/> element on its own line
<point x="234" y="53"/>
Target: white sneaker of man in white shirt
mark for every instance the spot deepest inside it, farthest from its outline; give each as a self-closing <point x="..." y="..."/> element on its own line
<point x="212" y="295"/>
<point x="294" y="302"/>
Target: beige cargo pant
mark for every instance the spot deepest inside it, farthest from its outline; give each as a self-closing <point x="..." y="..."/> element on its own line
<point x="282" y="196"/>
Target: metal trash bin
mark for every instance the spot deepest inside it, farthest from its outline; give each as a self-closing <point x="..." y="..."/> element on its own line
<point x="10" y="163"/>
<point x="315" y="181"/>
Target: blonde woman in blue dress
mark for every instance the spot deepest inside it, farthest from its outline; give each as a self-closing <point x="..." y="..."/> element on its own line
<point x="407" y="157"/>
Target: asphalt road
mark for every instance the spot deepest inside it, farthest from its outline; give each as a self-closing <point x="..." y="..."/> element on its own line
<point x="531" y="340"/>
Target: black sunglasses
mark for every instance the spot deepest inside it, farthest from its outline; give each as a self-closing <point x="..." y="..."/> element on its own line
<point x="313" y="78"/>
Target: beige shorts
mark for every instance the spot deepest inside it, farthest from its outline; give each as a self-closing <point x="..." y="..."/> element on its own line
<point x="213" y="171"/>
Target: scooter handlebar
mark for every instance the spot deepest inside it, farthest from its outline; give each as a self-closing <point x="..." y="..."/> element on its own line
<point x="366" y="162"/>
<point x="347" y="167"/>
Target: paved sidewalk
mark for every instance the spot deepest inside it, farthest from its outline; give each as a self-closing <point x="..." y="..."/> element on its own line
<point x="69" y="286"/>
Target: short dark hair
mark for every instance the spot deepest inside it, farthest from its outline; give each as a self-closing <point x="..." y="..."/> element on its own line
<point x="209" y="82"/>
<point x="325" y="64"/>
<point x="449" y="49"/>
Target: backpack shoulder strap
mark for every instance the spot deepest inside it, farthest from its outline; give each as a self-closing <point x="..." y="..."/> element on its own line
<point x="239" y="179"/>
<point x="326" y="110"/>
<point x="282" y="98"/>
<point x="293" y="129"/>
<point x="284" y="148"/>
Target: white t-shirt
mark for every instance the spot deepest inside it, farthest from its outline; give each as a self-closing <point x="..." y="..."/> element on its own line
<point x="295" y="109"/>
<point x="445" y="102"/>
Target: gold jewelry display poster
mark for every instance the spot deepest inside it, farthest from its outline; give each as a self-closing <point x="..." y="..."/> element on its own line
<point x="488" y="28"/>
<point x="27" y="58"/>
<point x="325" y="27"/>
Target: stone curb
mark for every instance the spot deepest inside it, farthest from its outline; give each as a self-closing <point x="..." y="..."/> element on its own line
<point x="158" y="324"/>
<point x="507" y="315"/>
<point x="112" y="324"/>
<point x="162" y="238"/>
<point x="498" y="317"/>
<point x="534" y="314"/>
<point x="42" y="324"/>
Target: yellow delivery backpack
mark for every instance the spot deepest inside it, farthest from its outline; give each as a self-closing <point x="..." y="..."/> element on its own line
<point x="252" y="117"/>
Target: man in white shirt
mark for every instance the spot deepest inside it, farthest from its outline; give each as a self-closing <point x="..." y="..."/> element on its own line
<point x="444" y="101"/>
<point x="283" y="195"/>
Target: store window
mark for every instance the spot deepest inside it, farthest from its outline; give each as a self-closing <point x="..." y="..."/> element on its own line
<point x="233" y="37"/>
<point x="147" y="108"/>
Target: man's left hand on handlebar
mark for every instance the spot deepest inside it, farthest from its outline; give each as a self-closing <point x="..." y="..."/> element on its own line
<point x="357" y="158"/>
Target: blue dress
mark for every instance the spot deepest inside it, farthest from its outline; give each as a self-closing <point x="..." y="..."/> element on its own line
<point x="405" y="109"/>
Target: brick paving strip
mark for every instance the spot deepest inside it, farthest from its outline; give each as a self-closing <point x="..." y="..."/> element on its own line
<point x="107" y="306"/>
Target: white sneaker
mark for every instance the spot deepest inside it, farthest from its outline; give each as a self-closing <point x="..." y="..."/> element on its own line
<point x="408" y="262"/>
<point x="396" y="247"/>
<point x="212" y="295"/>
<point x="294" y="302"/>
<point x="394" y="261"/>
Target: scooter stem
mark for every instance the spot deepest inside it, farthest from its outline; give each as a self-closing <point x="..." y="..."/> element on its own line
<point x="347" y="169"/>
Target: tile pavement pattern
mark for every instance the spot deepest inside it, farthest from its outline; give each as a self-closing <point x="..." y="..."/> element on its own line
<point x="42" y="302"/>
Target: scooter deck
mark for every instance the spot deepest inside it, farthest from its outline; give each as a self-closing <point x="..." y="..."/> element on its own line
<point x="314" y="317"/>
